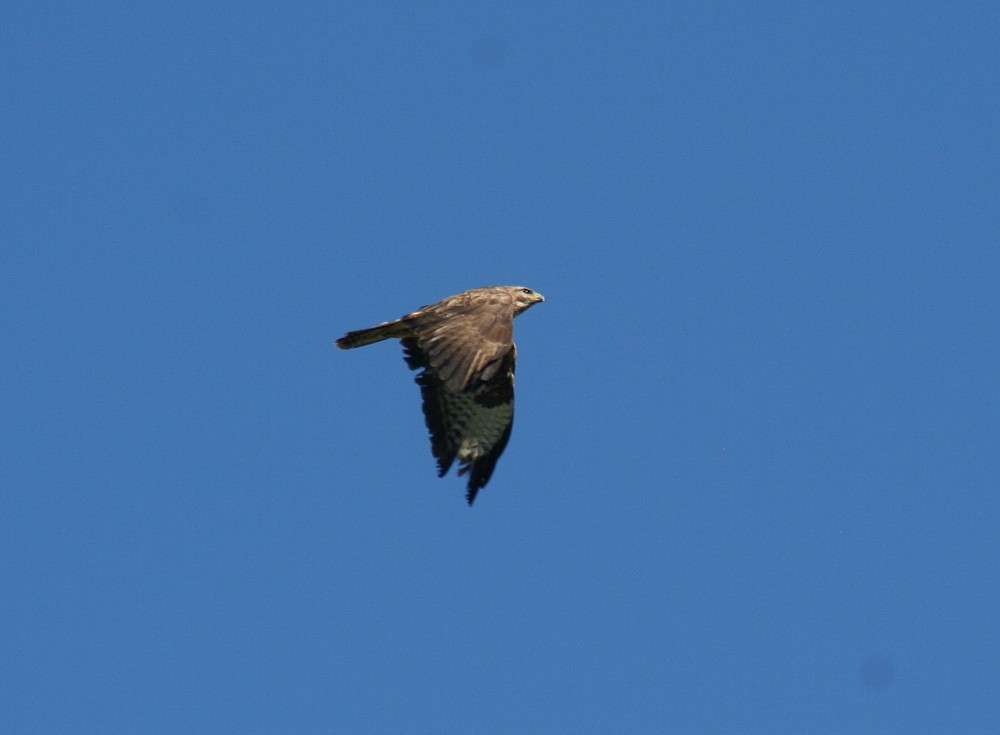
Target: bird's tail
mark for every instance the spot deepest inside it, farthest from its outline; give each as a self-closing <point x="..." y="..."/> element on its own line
<point x="362" y="337"/>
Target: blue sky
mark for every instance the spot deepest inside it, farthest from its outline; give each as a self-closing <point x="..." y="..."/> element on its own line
<point x="752" y="484"/>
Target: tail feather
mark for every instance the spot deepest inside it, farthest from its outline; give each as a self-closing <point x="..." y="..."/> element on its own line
<point x="362" y="337"/>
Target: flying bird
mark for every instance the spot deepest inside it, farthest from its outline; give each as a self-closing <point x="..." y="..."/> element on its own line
<point x="464" y="348"/>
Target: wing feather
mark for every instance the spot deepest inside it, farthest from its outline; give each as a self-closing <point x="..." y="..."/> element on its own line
<point x="473" y="425"/>
<point x="465" y="337"/>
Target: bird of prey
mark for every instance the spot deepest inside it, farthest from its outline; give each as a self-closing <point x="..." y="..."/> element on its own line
<point x="464" y="349"/>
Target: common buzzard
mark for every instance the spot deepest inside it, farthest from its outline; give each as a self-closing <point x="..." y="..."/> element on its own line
<point x="464" y="349"/>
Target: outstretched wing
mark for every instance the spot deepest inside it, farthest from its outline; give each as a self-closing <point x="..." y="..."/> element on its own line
<point x="472" y="425"/>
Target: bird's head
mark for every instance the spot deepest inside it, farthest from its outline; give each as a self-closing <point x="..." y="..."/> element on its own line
<point x="524" y="297"/>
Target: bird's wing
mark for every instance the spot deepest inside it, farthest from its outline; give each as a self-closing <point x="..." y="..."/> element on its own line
<point x="471" y="425"/>
<point x="464" y="342"/>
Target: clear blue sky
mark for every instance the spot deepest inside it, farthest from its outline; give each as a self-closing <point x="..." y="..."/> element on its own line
<point x="753" y="481"/>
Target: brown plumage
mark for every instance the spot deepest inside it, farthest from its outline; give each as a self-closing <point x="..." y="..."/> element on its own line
<point x="464" y="349"/>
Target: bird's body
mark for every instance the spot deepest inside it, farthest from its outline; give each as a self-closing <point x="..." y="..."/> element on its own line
<point x="464" y="349"/>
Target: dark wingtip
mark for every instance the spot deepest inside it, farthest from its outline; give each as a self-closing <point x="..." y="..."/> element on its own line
<point x="474" y="487"/>
<point x="444" y="464"/>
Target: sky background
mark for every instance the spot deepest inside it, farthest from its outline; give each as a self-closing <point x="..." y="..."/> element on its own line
<point x="752" y="485"/>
